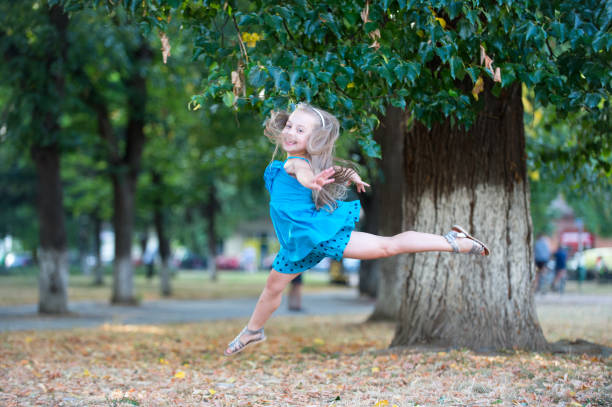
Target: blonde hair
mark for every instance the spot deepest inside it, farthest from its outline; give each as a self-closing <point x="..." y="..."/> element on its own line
<point x="320" y="148"/>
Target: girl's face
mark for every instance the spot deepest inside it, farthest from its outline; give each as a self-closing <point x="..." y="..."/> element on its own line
<point x="296" y="132"/>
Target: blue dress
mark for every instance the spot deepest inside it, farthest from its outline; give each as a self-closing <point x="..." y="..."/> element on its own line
<point x="306" y="234"/>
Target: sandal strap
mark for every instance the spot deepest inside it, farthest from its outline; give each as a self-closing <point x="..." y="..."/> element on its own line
<point x="236" y="345"/>
<point x="477" y="248"/>
<point x="451" y="239"/>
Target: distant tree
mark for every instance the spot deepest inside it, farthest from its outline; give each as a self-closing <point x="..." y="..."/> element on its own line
<point x="34" y="45"/>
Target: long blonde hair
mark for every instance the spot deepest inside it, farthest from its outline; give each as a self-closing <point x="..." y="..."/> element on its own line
<point x="320" y="148"/>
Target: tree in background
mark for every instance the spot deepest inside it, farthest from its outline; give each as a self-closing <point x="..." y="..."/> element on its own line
<point x="34" y="44"/>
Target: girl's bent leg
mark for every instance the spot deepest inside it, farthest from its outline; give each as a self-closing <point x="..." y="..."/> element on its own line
<point x="366" y="246"/>
<point x="270" y="298"/>
<point x="268" y="302"/>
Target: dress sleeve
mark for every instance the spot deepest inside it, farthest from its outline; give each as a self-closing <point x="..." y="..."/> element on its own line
<point x="270" y="173"/>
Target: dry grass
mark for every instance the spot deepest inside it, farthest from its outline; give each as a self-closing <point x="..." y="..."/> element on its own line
<point x="23" y="288"/>
<point x="314" y="361"/>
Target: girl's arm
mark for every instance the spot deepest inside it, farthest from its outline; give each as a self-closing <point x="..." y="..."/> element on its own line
<point x="305" y="176"/>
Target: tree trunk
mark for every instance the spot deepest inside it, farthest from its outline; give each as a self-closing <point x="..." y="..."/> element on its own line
<point x="390" y="194"/>
<point x="164" y="243"/>
<point x="476" y="179"/>
<point x="125" y="179"/>
<point x="52" y="254"/>
<point x="369" y="270"/>
<point x="210" y="213"/>
<point x="123" y="225"/>
<point x="98" y="272"/>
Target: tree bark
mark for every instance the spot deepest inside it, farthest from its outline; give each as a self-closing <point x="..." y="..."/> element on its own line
<point x="98" y="272"/>
<point x="210" y="213"/>
<point x="162" y="237"/>
<point x="475" y="178"/>
<point x="369" y="270"/>
<point x="125" y="178"/>
<point x="123" y="225"/>
<point x="390" y="195"/>
<point x="52" y="254"/>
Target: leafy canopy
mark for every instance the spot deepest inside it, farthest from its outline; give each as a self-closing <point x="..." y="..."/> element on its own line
<point x="357" y="58"/>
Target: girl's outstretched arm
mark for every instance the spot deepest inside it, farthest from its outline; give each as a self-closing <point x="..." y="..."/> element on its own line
<point x="305" y="176"/>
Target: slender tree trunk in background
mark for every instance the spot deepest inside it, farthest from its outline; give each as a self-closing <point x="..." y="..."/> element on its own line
<point x="83" y="244"/>
<point x="164" y="243"/>
<point x="52" y="254"/>
<point x="476" y="179"/>
<point x="390" y="196"/>
<point x="123" y="224"/>
<point x="98" y="272"/>
<point x="210" y="213"/>
<point x="369" y="269"/>
<point x="125" y="179"/>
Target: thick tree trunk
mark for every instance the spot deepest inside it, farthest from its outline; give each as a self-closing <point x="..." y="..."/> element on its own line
<point x="162" y="237"/>
<point x="98" y="272"/>
<point x="476" y="179"/>
<point x="390" y="194"/>
<point x="52" y="255"/>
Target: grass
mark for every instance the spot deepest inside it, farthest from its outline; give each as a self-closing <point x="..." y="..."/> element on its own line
<point x="22" y="288"/>
<point x="307" y="361"/>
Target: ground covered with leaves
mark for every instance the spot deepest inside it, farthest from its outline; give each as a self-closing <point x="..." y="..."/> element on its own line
<point x="307" y="361"/>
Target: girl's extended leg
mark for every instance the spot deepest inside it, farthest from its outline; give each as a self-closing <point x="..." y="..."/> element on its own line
<point x="367" y="246"/>
<point x="268" y="302"/>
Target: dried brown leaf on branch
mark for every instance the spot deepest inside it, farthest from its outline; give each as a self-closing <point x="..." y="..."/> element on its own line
<point x="238" y="81"/>
<point x="365" y="17"/>
<point x="165" y="46"/>
<point x="488" y="64"/>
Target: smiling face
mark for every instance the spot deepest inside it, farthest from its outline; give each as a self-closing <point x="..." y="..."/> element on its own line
<point x="297" y="131"/>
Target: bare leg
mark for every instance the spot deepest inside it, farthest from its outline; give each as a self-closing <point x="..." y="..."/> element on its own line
<point x="367" y="246"/>
<point x="269" y="301"/>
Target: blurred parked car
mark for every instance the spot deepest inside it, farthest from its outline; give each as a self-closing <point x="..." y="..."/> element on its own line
<point x="590" y="262"/>
<point x="227" y="263"/>
<point x="14" y="260"/>
<point x="192" y="261"/>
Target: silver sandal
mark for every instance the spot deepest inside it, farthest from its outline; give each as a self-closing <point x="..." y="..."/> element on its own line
<point x="236" y="346"/>
<point x="478" y="247"/>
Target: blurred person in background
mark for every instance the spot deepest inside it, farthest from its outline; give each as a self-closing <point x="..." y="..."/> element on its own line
<point x="542" y="256"/>
<point x="560" y="269"/>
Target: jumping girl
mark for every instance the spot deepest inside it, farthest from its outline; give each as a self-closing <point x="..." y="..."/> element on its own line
<point x="310" y="220"/>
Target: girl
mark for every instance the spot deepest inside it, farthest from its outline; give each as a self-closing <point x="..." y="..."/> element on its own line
<point x="310" y="220"/>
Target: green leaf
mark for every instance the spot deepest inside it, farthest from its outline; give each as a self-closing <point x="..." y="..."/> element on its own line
<point x="444" y="52"/>
<point x="532" y="31"/>
<point x="559" y="30"/>
<point x="455" y="66"/>
<point x="592" y="100"/>
<point x="228" y="99"/>
<point x="324" y="76"/>
<point x="398" y="102"/>
<point x="257" y="76"/>
<point x="474" y="72"/>
<point x="369" y="146"/>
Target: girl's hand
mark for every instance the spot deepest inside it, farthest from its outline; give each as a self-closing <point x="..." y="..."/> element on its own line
<point x="322" y="179"/>
<point x="359" y="184"/>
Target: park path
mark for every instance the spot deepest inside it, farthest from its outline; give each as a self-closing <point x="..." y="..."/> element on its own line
<point x="92" y="314"/>
<point x="85" y="314"/>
